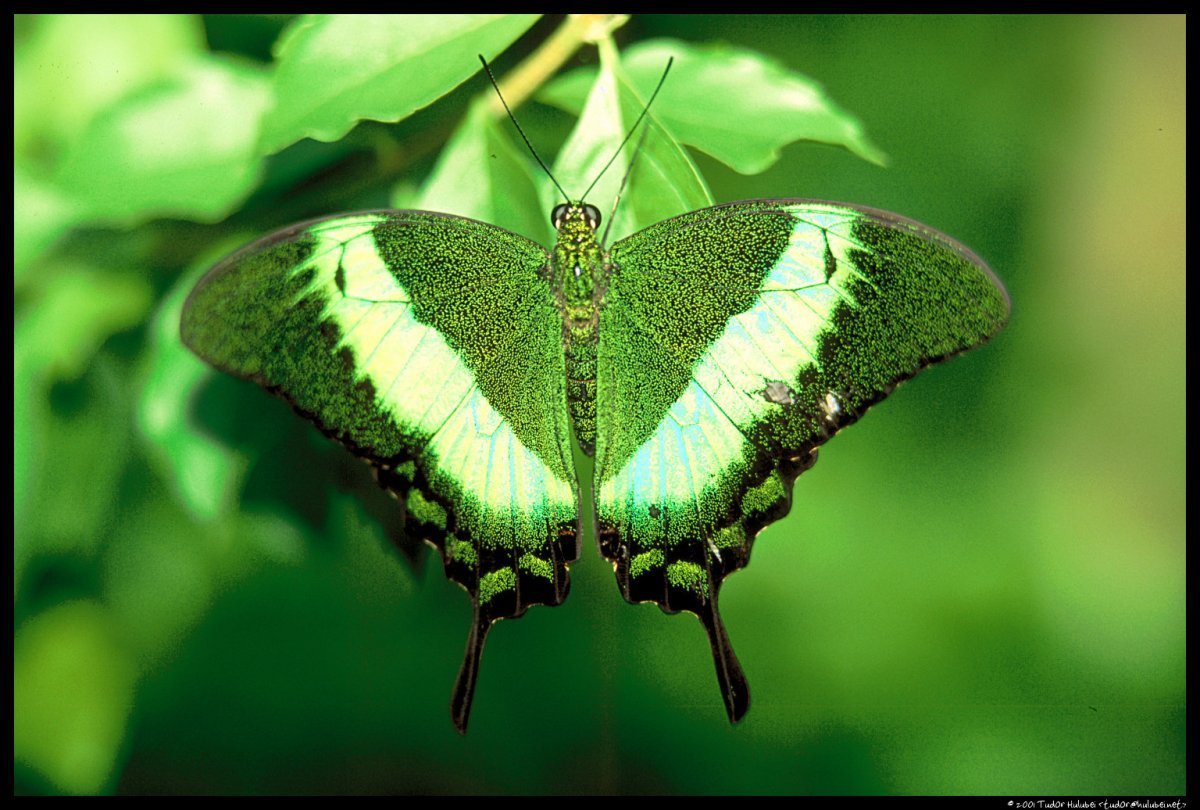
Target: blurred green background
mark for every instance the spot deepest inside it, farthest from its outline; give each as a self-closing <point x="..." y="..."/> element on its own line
<point x="980" y="588"/>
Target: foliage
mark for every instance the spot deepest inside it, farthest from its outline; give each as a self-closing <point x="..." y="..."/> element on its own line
<point x="208" y="597"/>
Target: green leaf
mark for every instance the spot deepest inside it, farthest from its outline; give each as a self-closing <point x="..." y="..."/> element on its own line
<point x="73" y="67"/>
<point x="737" y="105"/>
<point x="665" y="182"/>
<point x="205" y="473"/>
<point x="72" y="693"/>
<point x="338" y="69"/>
<point x="41" y="214"/>
<point x="88" y="422"/>
<point x="481" y="174"/>
<point x="57" y="337"/>
<point x="157" y="591"/>
<point x="54" y="341"/>
<point x="184" y="147"/>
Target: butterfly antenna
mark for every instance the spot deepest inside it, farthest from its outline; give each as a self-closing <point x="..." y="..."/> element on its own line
<point x="487" y="69"/>
<point x="612" y="215"/>
<point x="633" y="128"/>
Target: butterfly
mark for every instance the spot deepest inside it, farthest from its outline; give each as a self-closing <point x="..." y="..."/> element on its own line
<point x="701" y="361"/>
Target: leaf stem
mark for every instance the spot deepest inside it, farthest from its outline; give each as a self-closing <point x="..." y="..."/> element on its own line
<point x="576" y="30"/>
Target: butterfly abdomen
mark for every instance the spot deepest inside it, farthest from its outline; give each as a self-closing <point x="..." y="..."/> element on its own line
<point x="581" y="384"/>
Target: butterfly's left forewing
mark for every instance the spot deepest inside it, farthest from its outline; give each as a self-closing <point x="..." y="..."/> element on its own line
<point x="733" y="341"/>
<point x="429" y="345"/>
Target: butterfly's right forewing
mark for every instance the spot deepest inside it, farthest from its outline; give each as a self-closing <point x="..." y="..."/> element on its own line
<point x="430" y="345"/>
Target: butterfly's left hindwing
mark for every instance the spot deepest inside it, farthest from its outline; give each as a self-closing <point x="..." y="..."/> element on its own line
<point x="430" y="345"/>
<point x="733" y="341"/>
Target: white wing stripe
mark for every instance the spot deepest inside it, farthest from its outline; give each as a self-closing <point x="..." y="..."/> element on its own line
<point x="420" y="380"/>
<point x="774" y="341"/>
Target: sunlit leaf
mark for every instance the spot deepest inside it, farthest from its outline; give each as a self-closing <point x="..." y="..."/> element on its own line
<point x="335" y="70"/>
<point x="482" y="175"/>
<point x="41" y="214"/>
<point x="57" y="338"/>
<point x="185" y="147"/>
<point x="735" y="104"/>
<point x="665" y="182"/>
<point x="72" y="67"/>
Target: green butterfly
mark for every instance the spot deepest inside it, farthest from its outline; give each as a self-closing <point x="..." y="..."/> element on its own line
<point x="702" y="361"/>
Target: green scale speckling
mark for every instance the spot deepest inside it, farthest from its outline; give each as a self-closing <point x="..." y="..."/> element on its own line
<point x="702" y="360"/>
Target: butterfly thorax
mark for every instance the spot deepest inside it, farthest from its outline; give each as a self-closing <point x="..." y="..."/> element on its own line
<point x="578" y="276"/>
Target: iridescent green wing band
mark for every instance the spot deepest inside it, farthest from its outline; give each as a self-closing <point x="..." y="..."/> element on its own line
<point x="733" y="341"/>
<point x="429" y="345"/>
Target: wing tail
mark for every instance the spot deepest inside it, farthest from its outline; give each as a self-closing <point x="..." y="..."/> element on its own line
<point x="734" y="688"/>
<point x="464" y="686"/>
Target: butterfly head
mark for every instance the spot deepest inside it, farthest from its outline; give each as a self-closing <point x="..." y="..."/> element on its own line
<point x="568" y="217"/>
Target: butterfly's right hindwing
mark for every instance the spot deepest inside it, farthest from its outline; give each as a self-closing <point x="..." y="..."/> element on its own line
<point x="429" y="345"/>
